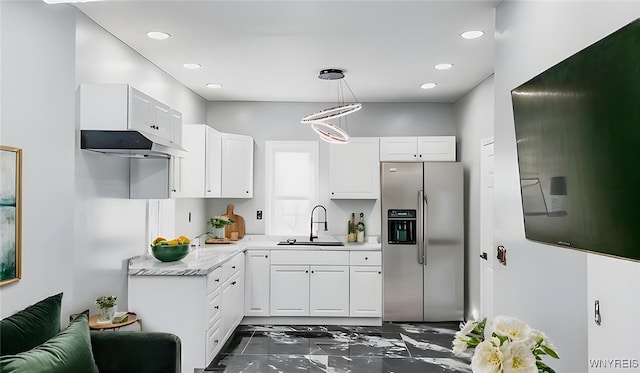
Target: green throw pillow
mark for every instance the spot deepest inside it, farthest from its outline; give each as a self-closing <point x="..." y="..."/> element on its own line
<point x="30" y="327"/>
<point x="67" y="352"/>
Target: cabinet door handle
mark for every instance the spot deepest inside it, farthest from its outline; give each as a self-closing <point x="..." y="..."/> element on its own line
<point x="233" y="267"/>
<point x="379" y="272"/>
<point x="217" y="307"/>
<point x="597" y="318"/>
<point x="233" y="283"/>
<point x="215" y="341"/>
<point x="313" y="271"/>
<point x="306" y="271"/>
<point x="217" y="280"/>
<point x="266" y="256"/>
<point x="366" y="258"/>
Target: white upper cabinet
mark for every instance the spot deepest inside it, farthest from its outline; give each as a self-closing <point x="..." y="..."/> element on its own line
<point x="122" y="107"/>
<point x="398" y="149"/>
<point x="217" y="164"/>
<point x="354" y="170"/>
<point x="192" y="167"/>
<point x="213" y="163"/>
<point x="176" y="126"/>
<point x="418" y="149"/>
<point x="437" y="148"/>
<point x="237" y="166"/>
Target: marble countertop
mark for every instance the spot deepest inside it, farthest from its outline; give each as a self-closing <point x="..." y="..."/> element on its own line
<point x="203" y="259"/>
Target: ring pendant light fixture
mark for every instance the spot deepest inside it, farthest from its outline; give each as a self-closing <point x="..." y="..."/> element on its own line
<point x="318" y="121"/>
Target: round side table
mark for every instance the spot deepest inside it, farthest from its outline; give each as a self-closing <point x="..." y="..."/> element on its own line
<point x="93" y="324"/>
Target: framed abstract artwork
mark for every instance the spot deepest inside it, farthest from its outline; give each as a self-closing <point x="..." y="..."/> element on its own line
<point x="10" y="214"/>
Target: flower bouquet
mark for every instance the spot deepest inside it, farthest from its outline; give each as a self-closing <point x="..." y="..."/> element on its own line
<point x="106" y="304"/>
<point x="106" y="301"/>
<point x="220" y="221"/>
<point x="217" y="223"/>
<point x="505" y="345"/>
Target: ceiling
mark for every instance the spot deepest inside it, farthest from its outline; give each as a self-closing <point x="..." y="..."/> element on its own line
<point x="273" y="50"/>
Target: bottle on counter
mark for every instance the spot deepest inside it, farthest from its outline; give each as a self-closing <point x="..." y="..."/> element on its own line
<point x="360" y="229"/>
<point x="351" y="230"/>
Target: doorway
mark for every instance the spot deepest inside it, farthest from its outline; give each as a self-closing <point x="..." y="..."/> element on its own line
<point x="487" y="251"/>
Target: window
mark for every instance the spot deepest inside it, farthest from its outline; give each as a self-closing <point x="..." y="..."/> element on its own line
<point x="291" y="190"/>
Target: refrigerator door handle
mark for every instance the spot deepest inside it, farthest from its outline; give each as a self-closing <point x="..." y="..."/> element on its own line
<point x="423" y="226"/>
<point x="420" y="228"/>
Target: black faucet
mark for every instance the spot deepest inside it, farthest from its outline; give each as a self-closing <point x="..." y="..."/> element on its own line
<point x="311" y="236"/>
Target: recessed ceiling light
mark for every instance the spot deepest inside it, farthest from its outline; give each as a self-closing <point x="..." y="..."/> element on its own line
<point x="428" y="85"/>
<point x="214" y="85"/>
<point x="191" y="66"/>
<point x="158" y="35"/>
<point x="443" y="66"/>
<point x="472" y="34"/>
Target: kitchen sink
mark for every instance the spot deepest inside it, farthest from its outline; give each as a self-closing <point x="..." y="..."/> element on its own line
<point x="292" y="242"/>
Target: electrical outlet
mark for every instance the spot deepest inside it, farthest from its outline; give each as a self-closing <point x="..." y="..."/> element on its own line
<point x="259" y="215"/>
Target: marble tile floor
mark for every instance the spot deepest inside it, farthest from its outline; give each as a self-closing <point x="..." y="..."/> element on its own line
<point x="390" y="348"/>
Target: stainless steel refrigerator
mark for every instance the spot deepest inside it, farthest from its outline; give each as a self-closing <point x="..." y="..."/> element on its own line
<point x="422" y="241"/>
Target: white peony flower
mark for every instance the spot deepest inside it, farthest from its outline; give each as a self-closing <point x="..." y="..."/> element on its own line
<point x="512" y="328"/>
<point x="468" y="327"/>
<point x="518" y="358"/>
<point x="487" y="357"/>
<point x="459" y="345"/>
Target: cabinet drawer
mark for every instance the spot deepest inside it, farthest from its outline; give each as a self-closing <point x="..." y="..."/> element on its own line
<point x="309" y="257"/>
<point x="212" y="342"/>
<point x="365" y="258"/>
<point x="214" y="279"/>
<point x="213" y="308"/>
<point x="234" y="265"/>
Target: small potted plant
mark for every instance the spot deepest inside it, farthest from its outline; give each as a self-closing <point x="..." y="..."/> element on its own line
<point x="106" y="304"/>
<point x="217" y="224"/>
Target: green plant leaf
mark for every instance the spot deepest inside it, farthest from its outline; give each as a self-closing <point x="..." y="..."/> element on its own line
<point x="550" y="352"/>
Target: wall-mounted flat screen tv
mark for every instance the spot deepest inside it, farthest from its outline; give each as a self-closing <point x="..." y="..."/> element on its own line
<point x="577" y="129"/>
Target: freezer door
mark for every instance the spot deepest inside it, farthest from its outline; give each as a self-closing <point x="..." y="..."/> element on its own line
<point x="444" y="242"/>
<point x="401" y="268"/>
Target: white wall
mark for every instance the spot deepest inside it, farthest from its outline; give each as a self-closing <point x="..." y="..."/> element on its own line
<point x="544" y="285"/>
<point x="37" y="101"/>
<point x="474" y="115"/>
<point x="281" y="121"/>
<point x="109" y="227"/>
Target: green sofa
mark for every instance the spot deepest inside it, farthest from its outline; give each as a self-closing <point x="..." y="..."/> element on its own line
<point x="31" y="341"/>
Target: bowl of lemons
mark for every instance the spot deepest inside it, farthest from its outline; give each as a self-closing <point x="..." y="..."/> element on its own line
<point x="170" y="250"/>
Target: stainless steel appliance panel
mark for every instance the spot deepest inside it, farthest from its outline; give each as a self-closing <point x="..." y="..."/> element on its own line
<point x="423" y="281"/>
<point x="444" y="242"/>
<point x="402" y="270"/>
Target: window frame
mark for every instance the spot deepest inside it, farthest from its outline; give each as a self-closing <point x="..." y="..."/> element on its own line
<point x="271" y="148"/>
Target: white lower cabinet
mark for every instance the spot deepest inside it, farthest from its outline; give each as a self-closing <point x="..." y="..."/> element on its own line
<point x="309" y="283"/>
<point x="302" y="290"/>
<point x="202" y="310"/>
<point x="289" y="290"/>
<point x="365" y="286"/>
<point x="232" y="309"/>
<point x="366" y="291"/>
<point x="257" y="289"/>
<point x="329" y="291"/>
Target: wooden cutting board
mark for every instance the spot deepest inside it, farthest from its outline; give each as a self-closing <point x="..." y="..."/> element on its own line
<point x="236" y="226"/>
